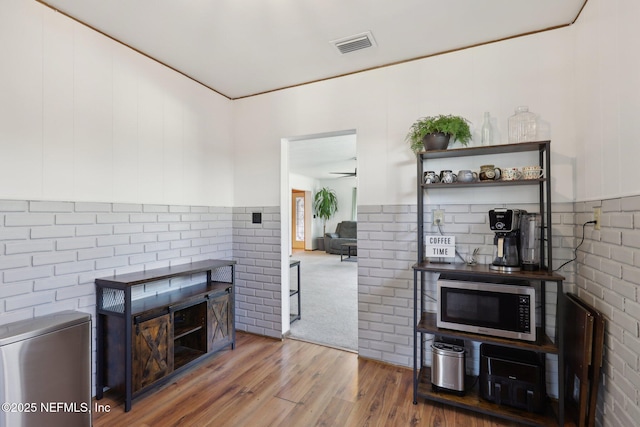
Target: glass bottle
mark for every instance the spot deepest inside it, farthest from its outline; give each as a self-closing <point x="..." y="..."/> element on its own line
<point x="522" y="126"/>
<point x="487" y="134"/>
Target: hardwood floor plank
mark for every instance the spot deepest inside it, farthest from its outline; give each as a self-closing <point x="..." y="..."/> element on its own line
<point x="273" y="413"/>
<point x="310" y="363"/>
<point x="377" y="394"/>
<point x="320" y="401"/>
<point x="333" y="413"/>
<point x="267" y="382"/>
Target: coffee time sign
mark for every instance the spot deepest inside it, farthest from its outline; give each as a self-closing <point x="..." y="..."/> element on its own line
<point x="440" y="246"/>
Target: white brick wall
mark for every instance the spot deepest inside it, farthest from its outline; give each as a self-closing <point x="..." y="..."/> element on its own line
<point x="51" y="252"/>
<point x="256" y="248"/>
<point x="608" y="277"/>
<point x="386" y="251"/>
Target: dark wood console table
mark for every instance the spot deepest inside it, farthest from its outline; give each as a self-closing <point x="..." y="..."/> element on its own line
<point x="144" y="338"/>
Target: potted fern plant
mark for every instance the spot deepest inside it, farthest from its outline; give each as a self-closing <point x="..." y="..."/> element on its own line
<point x="435" y="132"/>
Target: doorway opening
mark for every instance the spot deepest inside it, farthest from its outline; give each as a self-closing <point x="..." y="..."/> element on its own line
<point x="328" y="285"/>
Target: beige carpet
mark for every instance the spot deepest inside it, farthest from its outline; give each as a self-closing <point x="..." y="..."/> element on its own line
<point x="329" y="294"/>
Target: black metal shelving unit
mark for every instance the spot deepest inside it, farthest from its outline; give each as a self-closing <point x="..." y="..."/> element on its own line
<point x="296" y="292"/>
<point x="425" y="323"/>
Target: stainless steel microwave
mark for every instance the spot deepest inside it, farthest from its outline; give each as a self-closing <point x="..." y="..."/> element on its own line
<point x="501" y="310"/>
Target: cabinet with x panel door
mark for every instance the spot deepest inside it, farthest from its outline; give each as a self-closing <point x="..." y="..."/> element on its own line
<point x="153" y="324"/>
<point x="220" y="326"/>
<point x="152" y="352"/>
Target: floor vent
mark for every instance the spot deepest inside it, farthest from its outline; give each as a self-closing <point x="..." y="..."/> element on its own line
<point x="353" y="43"/>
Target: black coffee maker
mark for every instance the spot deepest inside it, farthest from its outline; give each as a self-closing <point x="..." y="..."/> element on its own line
<point x="506" y="224"/>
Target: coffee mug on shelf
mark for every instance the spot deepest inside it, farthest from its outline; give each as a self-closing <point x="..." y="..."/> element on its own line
<point x="489" y="173"/>
<point x="430" y="177"/>
<point x="532" y="172"/>
<point x="448" y="177"/>
<point x="511" y="174"/>
<point x="466" y="175"/>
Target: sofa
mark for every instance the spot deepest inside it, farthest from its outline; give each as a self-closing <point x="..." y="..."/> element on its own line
<point x="346" y="232"/>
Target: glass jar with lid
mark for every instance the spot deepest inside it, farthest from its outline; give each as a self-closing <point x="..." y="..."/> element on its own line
<point x="523" y="126"/>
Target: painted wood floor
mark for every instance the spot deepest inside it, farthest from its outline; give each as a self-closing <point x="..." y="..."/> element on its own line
<point x="266" y="382"/>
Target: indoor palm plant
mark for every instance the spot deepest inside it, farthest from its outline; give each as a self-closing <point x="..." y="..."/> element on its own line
<point x="325" y="205"/>
<point x="434" y="132"/>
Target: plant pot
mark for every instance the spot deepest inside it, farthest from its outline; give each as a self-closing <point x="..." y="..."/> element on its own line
<point x="436" y="141"/>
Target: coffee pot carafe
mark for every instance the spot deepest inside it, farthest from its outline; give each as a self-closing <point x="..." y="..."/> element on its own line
<point x="530" y="241"/>
<point x="506" y="224"/>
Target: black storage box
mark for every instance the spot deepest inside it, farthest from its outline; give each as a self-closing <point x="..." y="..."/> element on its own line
<point x="513" y="377"/>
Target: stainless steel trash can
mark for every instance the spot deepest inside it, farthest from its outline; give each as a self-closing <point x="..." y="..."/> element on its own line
<point x="45" y="371"/>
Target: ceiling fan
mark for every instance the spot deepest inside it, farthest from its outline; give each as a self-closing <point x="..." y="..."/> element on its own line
<point x="346" y="174"/>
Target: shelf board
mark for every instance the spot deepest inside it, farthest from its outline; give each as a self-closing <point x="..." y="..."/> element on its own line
<point x="472" y="401"/>
<point x="127" y="280"/>
<point x="482" y="270"/>
<point x="182" y="331"/>
<point x="544" y="344"/>
<point x="485" y="150"/>
<point x="440" y="185"/>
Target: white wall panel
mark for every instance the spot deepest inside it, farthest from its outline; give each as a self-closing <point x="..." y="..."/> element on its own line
<point x="609" y="86"/>
<point x="587" y="103"/>
<point x="217" y="164"/>
<point x="367" y="114"/>
<point x="173" y="163"/>
<point x="607" y="70"/>
<point x="83" y="118"/>
<point x="58" y="112"/>
<point x="93" y="115"/>
<point x="151" y="135"/>
<point x="191" y="155"/>
<point x="126" y="151"/>
<point x="21" y="99"/>
<point x="627" y="65"/>
<point x="260" y="124"/>
<point x="383" y="103"/>
<point x="455" y="87"/>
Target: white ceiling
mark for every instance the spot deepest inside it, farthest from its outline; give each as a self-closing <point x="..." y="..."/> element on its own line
<point x="241" y="48"/>
<point x="324" y="157"/>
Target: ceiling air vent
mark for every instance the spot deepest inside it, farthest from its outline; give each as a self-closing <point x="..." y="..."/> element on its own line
<point x="355" y="42"/>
